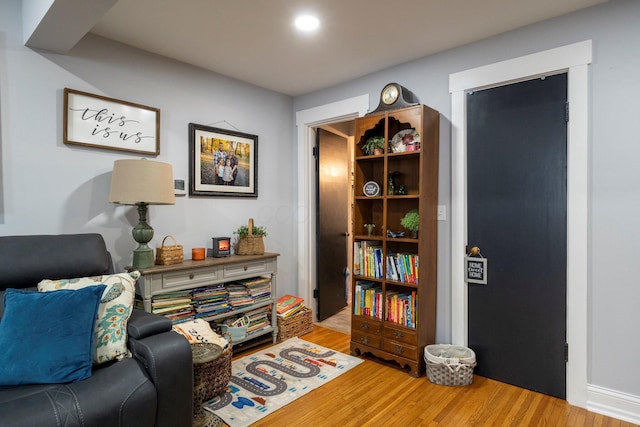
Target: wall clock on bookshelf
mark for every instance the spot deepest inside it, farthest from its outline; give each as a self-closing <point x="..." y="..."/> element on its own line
<point x="394" y="95"/>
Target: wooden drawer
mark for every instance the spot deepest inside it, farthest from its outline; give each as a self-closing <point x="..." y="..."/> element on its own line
<point x="366" y="325"/>
<point x="366" y="339"/>
<point x="247" y="269"/>
<point x="190" y="278"/>
<point x="400" y="349"/>
<point x="403" y="335"/>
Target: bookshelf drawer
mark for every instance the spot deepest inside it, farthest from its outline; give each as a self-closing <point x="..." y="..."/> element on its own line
<point x="400" y="349"/>
<point x="247" y="269"/>
<point x="190" y="278"/>
<point x="366" y="339"/>
<point x="366" y="325"/>
<point x="404" y="335"/>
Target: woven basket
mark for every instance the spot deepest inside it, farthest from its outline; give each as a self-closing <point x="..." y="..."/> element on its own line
<point x="250" y="245"/>
<point x="444" y="374"/>
<point x="449" y="364"/>
<point x="169" y="254"/>
<point x="213" y="375"/>
<point x="296" y="325"/>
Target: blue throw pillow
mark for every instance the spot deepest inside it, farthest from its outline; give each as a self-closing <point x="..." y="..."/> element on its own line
<point x="47" y="337"/>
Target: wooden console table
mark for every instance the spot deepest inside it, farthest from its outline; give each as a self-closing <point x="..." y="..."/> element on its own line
<point x="190" y="274"/>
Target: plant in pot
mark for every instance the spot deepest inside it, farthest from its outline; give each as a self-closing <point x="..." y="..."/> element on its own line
<point x="411" y="221"/>
<point x="250" y="243"/>
<point x="243" y="231"/>
<point x="373" y="145"/>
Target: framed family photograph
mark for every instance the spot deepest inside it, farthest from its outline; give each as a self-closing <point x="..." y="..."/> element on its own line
<point x="97" y="121"/>
<point x="222" y="162"/>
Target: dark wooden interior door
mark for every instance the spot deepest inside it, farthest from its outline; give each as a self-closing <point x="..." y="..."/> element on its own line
<point x="332" y="165"/>
<point x="516" y="194"/>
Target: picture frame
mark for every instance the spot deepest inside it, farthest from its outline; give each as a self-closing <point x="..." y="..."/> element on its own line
<point x="475" y="270"/>
<point x="239" y="154"/>
<point x="98" y="121"/>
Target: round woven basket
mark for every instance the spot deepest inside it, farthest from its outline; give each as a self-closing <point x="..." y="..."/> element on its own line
<point x="211" y="368"/>
<point x="449" y="364"/>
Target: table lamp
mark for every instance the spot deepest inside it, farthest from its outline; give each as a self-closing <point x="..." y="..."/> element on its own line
<point x="142" y="183"/>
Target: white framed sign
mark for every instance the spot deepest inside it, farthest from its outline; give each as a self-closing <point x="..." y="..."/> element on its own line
<point x="97" y="121"/>
<point x="475" y="270"/>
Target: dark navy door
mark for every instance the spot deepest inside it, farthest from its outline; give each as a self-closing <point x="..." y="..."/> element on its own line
<point x="517" y="214"/>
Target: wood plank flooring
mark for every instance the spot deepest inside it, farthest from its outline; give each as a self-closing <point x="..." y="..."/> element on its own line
<point x="373" y="394"/>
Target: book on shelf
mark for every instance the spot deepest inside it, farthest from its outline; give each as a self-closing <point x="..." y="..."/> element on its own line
<point x="402" y="308"/>
<point x="287" y="305"/>
<point x="367" y="256"/>
<point x="402" y="267"/>
<point x="367" y="299"/>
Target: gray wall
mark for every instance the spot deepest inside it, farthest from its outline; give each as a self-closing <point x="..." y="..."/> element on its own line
<point x="613" y="288"/>
<point x="49" y="187"/>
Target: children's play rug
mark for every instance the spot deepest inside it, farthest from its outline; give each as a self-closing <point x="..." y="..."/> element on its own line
<point x="269" y="379"/>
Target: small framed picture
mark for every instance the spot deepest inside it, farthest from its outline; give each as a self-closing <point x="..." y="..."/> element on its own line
<point x="222" y="162"/>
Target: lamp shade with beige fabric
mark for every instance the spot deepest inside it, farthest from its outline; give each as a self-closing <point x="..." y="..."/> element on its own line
<point x="142" y="183"/>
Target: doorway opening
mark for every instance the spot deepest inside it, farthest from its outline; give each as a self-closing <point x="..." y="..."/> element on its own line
<point x="307" y="122"/>
<point x="334" y="159"/>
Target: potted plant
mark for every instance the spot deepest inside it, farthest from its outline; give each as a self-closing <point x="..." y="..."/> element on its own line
<point x="243" y="231"/>
<point x="373" y="145"/>
<point x="411" y="221"/>
<point x="250" y="239"/>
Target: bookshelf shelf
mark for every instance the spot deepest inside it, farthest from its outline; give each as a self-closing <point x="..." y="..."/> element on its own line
<point x="159" y="282"/>
<point x="394" y="277"/>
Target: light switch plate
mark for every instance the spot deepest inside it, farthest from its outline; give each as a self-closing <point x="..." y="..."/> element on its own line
<point x="442" y="213"/>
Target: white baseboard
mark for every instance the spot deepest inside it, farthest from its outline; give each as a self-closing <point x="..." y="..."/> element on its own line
<point x="613" y="403"/>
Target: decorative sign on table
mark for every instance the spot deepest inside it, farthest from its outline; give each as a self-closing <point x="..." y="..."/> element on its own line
<point x="98" y="121"/>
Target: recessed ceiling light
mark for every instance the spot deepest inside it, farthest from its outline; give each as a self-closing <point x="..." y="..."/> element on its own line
<point x="307" y="23"/>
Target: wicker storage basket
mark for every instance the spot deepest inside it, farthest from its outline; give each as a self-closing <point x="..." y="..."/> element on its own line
<point x="250" y="245"/>
<point x="449" y="364"/>
<point x="169" y="254"/>
<point x="211" y="370"/>
<point x="296" y="325"/>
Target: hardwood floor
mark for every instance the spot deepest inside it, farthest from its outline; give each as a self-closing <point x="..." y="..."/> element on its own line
<point x="373" y="394"/>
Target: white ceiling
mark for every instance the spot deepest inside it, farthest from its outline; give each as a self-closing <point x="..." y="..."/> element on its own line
<point x="255" y="41"/>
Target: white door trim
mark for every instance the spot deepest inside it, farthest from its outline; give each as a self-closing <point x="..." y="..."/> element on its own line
<point x="574" y="59"/>
<point x="306" y="120"/>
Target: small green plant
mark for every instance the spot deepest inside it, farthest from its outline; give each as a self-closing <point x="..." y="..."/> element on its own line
<point x="373" y="143"/>
<point x="243" y="231"/>
<point x="411" y="220"/>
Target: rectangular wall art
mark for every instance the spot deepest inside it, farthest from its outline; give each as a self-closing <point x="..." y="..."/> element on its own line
<point x="98" y="121"/>
<point x="222" y="162"/>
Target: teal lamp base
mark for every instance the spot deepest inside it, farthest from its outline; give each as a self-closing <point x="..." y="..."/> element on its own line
<point x="142" y="233"/>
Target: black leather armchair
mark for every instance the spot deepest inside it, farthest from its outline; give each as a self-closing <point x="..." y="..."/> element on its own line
<point x="153" y="388"/>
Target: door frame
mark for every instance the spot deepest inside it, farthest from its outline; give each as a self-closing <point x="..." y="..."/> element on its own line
<point x="306" y="121"/>
<point x="574" y="59"/>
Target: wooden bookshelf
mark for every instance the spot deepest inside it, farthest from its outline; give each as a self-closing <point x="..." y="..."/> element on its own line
<point x="381" y="331"/>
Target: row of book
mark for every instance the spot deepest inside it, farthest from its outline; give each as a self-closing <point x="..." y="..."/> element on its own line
<point x="368" y="261"/>
<point x="402" y="308"/>
<point x="367" y="299"/>
<point x="399" y="307"/>
<point x="402" y="267"/>
<point x="209" y="301"/>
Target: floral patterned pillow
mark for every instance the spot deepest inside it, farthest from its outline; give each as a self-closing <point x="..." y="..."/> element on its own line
<point x="116" y="304"/>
